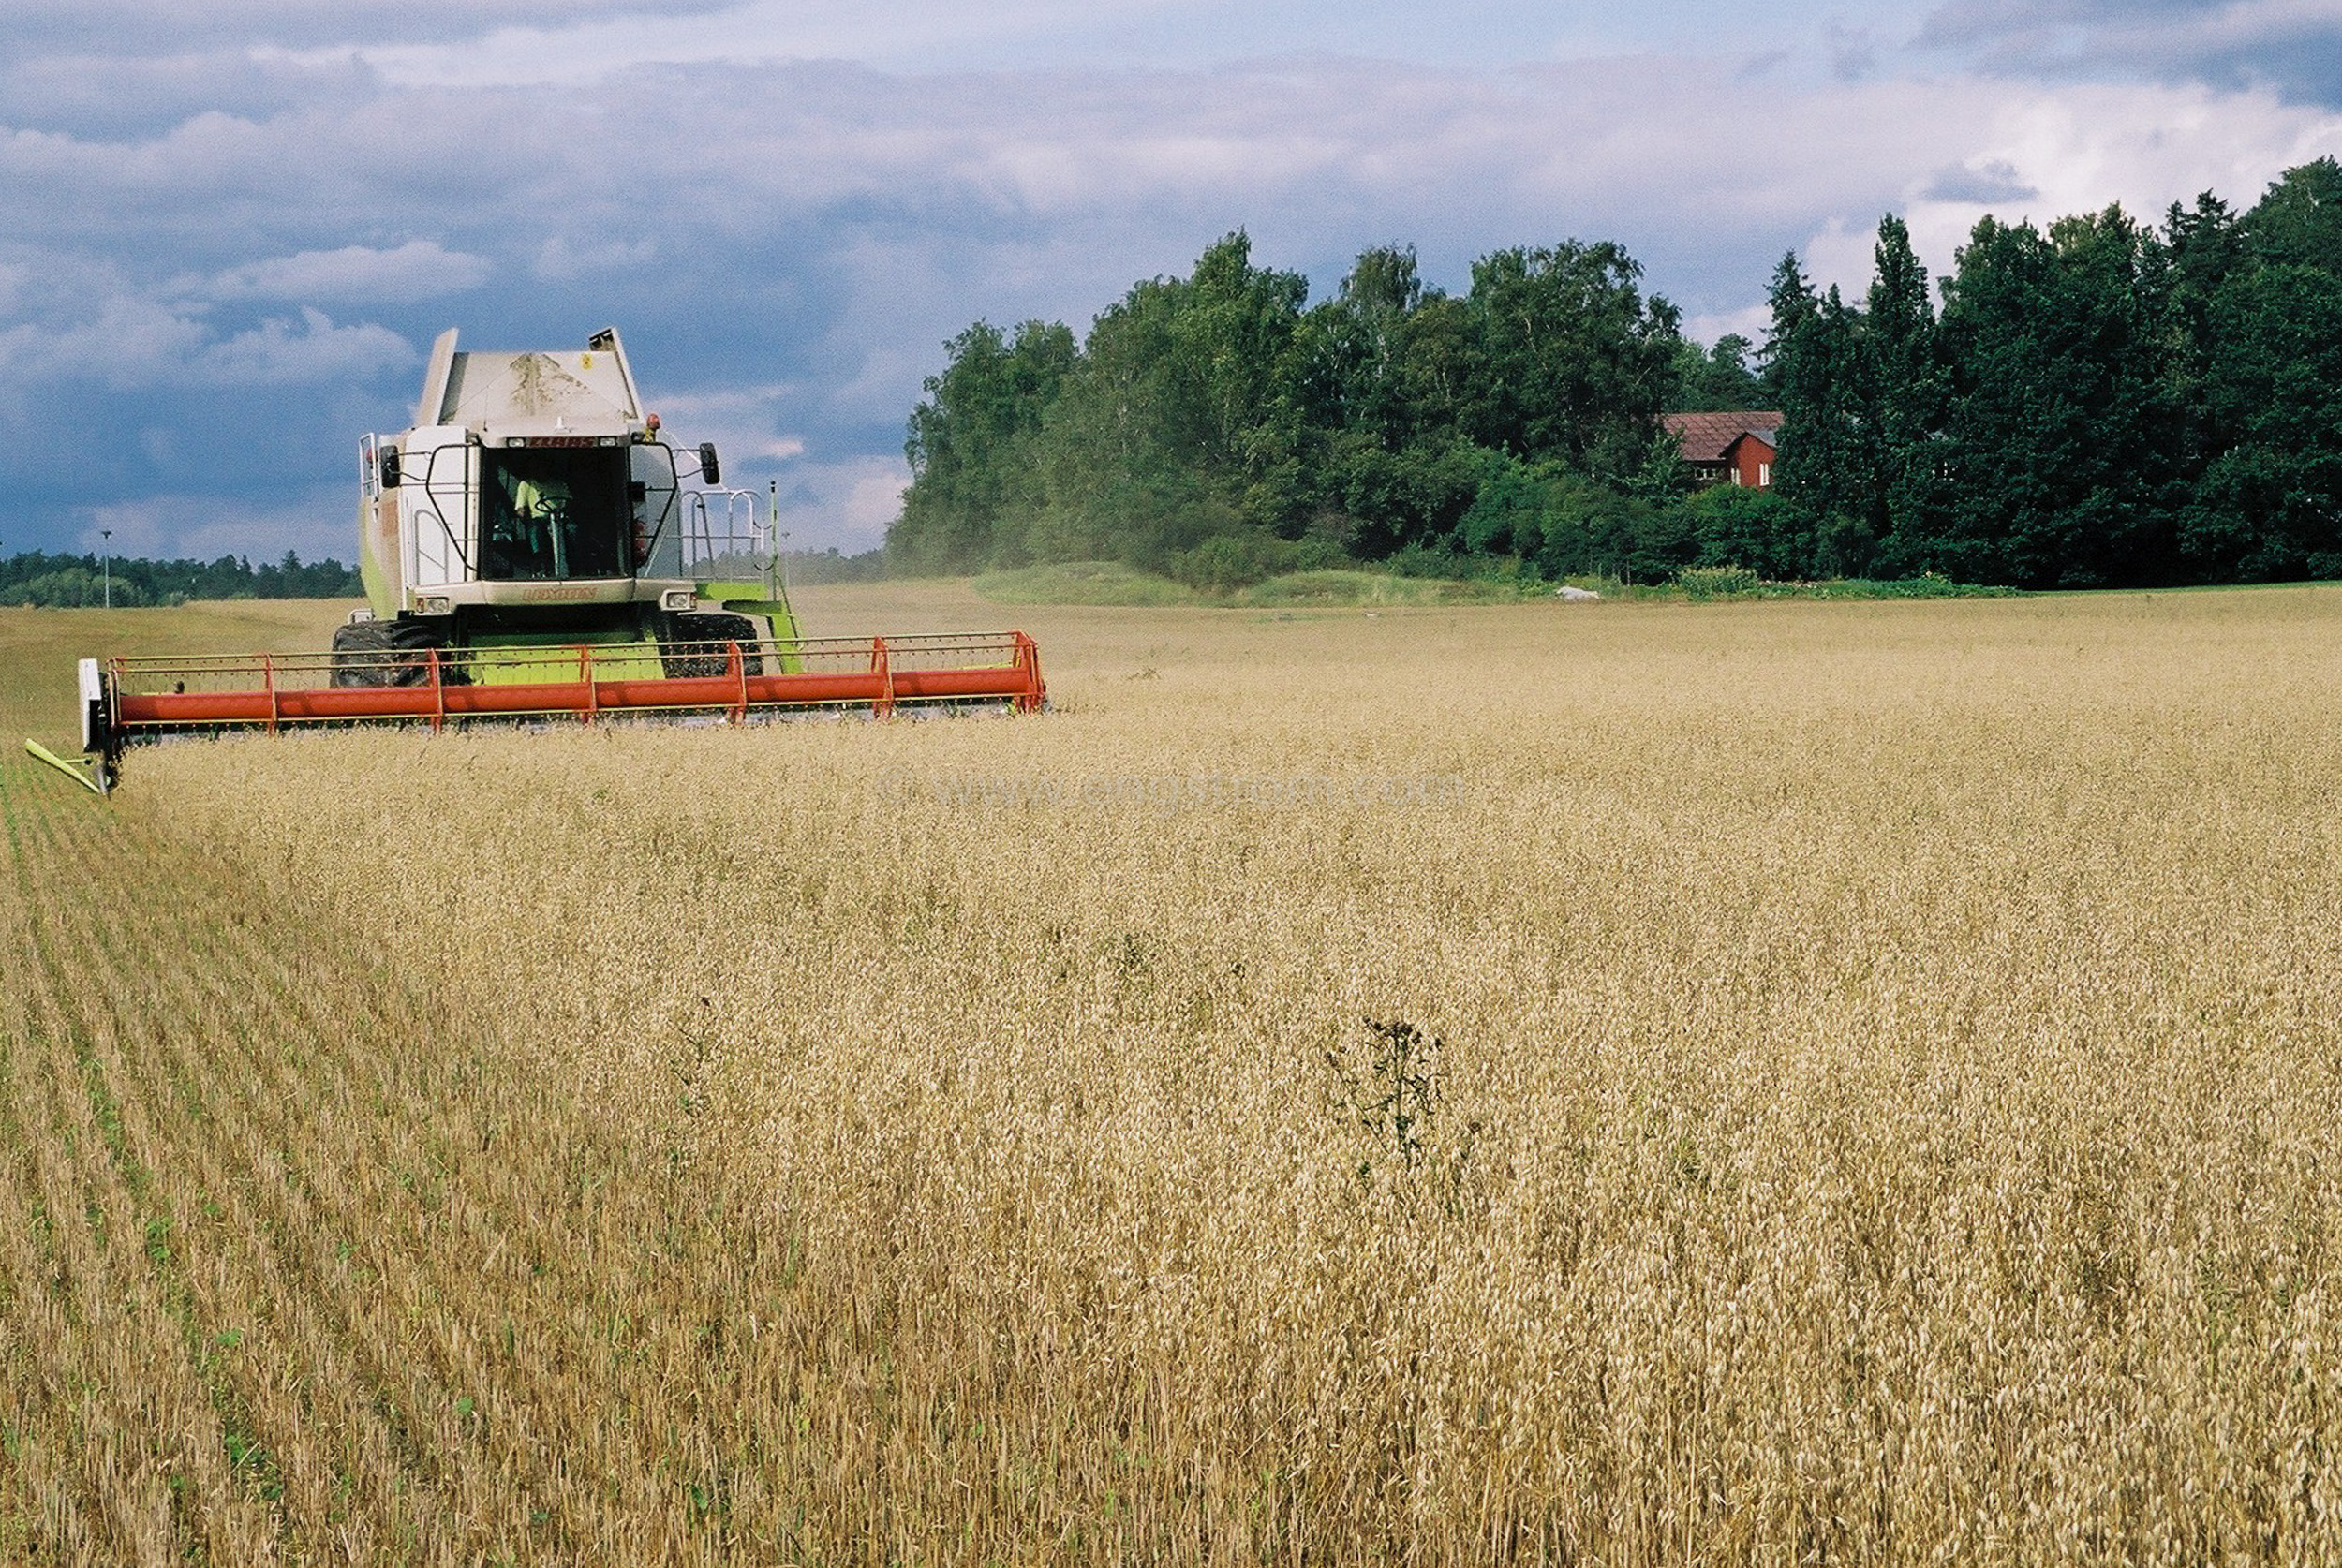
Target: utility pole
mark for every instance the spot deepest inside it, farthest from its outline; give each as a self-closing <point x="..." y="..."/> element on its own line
<point x="108" y="535"/>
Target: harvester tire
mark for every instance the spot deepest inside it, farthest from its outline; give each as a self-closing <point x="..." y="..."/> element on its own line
<point x="382" y="653"/>
<point x="711" y="626"/>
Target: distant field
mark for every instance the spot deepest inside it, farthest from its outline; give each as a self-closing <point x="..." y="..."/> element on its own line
<point x="1110" y="582"/>
<point x="1630" y="1083"/>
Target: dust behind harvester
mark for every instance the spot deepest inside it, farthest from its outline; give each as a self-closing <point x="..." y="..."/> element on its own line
<point x="533" y="548"/>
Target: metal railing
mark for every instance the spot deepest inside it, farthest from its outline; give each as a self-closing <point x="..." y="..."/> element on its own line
<point x="730" y="533"/>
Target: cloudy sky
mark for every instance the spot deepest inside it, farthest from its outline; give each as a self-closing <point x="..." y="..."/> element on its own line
<point x="228" y="232"/>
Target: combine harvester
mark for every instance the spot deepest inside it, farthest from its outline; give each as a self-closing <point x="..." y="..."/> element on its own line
<point x="530" y="553"/>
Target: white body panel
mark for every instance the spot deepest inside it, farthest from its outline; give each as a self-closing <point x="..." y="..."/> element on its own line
<point x="93" y="705"/>
<point x="436" y="526"/>
<point x="533" y="392"/>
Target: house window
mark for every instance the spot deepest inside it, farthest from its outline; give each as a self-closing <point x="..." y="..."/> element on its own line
<point x="1764" y="475"/>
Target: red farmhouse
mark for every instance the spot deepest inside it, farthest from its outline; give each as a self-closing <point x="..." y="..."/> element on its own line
<point x="1738" y="446"/>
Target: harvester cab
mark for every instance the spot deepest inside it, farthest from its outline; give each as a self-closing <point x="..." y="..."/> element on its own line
<point x="533" y="549"/>
<point x="534" y="499"/>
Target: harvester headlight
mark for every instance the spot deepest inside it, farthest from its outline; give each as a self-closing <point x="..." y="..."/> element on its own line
<point x="677" y="599"/>
<point x="435" y="604"/>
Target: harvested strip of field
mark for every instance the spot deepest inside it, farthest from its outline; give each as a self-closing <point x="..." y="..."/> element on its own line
<point x="1645" y="1083"/>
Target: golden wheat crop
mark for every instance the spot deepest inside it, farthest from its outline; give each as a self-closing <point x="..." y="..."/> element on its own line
<point x="1538" y="1084"/>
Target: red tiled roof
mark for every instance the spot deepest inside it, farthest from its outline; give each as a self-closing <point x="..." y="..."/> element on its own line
<point x="1706" y="437"/>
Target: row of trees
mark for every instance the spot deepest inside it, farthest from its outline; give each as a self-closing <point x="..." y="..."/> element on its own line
<point x="1217" y="426"/>
<point x="41" y="579"/>
<point x="2101" y="402"/>
<point x="2097" y="403"/>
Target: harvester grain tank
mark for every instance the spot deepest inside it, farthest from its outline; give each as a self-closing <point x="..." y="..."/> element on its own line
<point x="533" y="548"/>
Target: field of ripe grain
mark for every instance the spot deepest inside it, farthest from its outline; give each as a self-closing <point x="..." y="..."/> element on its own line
<point x="1528" y="1084"/>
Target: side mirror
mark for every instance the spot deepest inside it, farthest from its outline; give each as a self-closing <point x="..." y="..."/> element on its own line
<point x="388" y="461"/>
<point x="711" y="472"/>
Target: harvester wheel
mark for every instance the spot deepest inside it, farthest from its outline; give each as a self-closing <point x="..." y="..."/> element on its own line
<point x="705" y="627"/>
<point x="383" y="653"/>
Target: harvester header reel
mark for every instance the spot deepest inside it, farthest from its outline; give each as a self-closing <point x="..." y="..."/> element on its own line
<point x="128" y="702"/>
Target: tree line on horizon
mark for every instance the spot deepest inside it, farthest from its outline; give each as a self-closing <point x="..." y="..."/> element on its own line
<point x="68" y="581"/>
<point x="2100" y="402"/>
<point x="65" y="581"/>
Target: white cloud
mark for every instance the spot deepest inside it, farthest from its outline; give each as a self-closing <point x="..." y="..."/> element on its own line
<point x="844" y="506"/>
<point x="2288" y="46"/>
<point x="1981" y="180"/>
<point x="418" y="270"/>
<point x="1750" y="322"/>
<point x="2084" y="148"/>
<point x="483" y="43"/>
<point x="317" y="526"/>
<point x="788" y="248"/>
<point x="580" y="51"/>
<point x="135" y="343"/>
<point x="163" y="24"/>
<point x="564" y="259"/>
<point x="279" y="353"/>
<point x="742" y="422"/>
<point x="841" y="500"/>
<point x="128" y="342"/>
<point x="922" y="202"/>
<point x="114" y="96"/>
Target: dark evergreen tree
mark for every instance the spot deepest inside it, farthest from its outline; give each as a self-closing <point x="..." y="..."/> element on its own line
<point x="2058" y="435"/>
<point x="1815" y="363"/>
<point x="2269" y="505"/>
<point x="1718" y="379"/>
<point x="2203" y="248"/>
<point x="2259" y="299"/>
<point x="1908" y="386"/>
